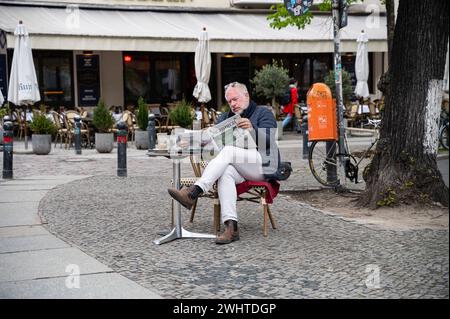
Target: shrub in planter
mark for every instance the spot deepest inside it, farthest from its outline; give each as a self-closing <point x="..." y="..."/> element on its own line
<point x="42" y="129"/>
<point x="103" y="121"/>
<point x="142" y="114"/>
<point x="182" y="114"/>
<point x="42" y="125"/>
<point x="271" y="82"/>
<point x="141" y="135"/>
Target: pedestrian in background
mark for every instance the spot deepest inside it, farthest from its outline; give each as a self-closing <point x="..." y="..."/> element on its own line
<point x="289" y="108"/>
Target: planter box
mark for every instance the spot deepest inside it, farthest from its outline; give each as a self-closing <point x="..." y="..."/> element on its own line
<point x="141" y="139"/>
<point x="42" y="143"/>
<point x="104" y="142"/>
<point x="279" y="134"/>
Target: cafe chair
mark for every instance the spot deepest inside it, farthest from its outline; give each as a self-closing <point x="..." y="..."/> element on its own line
<point x="61" y="132"/>
<point x="262" y="192"/>
<point x="17" y="114"/>
<point x="69" y="121"/>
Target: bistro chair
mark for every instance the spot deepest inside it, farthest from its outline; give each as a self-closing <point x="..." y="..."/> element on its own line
<point x="262" y="192"/>
<point x="17" y="115"/>
<point x="61" y="132"/>
<point x="373" y="111"/>
<point x="69" y="121"/>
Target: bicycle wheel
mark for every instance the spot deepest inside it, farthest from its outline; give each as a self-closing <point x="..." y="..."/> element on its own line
<point x="443" y="136"/>
<point x="323" y="162"/>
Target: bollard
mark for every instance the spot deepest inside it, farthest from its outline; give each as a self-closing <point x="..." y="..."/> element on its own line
<point x="151" y="131"/>
<point x="77" y="133"/>
<point x="122" y="149"/>
<point x="305" y="137"/>
<point x="7" y="149"/>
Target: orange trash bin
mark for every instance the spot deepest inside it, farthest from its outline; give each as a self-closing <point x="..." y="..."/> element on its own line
<point x="322" y="124"/>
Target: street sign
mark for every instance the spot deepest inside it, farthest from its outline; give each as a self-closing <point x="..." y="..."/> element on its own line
<point x="298" y="7"/>
<point x="343" y="15"/>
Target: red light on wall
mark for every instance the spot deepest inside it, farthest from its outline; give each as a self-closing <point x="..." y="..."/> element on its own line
<point x="127" y="58"/>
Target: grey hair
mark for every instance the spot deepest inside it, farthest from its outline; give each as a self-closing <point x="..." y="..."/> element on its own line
<point x="240" y="86"/>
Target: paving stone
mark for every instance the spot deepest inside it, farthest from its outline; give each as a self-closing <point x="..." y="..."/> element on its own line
<point x="116" y="219"/>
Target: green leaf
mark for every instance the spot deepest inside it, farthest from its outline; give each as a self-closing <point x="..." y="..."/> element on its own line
<point x="102" y="118"/>
<point x="142" y="114"/>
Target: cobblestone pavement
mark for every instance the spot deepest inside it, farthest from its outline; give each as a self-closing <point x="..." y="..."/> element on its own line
<point x="310" y="255"/>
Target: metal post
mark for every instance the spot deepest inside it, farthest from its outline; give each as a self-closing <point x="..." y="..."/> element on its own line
<point x="330" y="148"/>
<point x="77" y="133"/>
<point x="151" y="131"/>
<point x="25" y="129"/>
<point x="122" y="134"/>
<point x="305" y="136"/>
<point x="7" y="149"/>
<point x="338" y="79"/>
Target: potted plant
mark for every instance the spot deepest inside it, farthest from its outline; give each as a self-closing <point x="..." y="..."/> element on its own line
<point x="182" y="114"/>
<point x="103" y="121"/>
<point x="141" y="134"/>
<point x="271" y="83"/>
<point x="42" y="129"/>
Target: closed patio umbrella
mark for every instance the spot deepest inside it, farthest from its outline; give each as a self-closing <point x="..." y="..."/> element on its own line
<point x="362" y="66"/>
<point x="2" y="99"/>
<point x="202" y="68"/>
<point x="23" y="86"/>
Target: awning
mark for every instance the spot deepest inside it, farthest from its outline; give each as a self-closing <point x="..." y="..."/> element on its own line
<point x="123" y="30"/>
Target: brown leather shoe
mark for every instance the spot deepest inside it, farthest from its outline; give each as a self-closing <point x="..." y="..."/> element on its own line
<point x="230" y="234"/>
<point x="182" y="196"/>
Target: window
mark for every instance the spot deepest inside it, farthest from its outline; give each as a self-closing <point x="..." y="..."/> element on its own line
<point x="157" y="77"/>
<point x="137" y="77"/>
<point x="54" y="71"/>
<point x="167" y="80"/>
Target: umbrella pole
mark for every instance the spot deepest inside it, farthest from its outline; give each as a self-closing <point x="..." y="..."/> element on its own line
<point x="202" y="109"/>
<point x="26" y="133"/>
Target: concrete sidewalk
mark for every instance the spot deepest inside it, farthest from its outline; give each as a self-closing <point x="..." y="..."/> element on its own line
<point x="36" y="264"/>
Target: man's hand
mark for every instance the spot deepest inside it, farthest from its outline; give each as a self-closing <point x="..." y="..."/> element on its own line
<point x="244" y="123"/>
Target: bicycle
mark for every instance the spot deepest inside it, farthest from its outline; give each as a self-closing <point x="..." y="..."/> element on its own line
<point x="323" y="159"/>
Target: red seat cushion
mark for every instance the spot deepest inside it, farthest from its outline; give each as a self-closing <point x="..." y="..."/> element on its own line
<point x="272" y="188"/>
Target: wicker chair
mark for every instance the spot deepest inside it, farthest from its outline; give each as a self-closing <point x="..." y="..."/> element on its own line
<point x="262" y="192"/>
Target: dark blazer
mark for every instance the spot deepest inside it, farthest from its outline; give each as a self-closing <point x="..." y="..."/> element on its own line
<point x="264" y="130"/>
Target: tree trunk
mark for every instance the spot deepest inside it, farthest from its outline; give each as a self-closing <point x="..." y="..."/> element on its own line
<point x="383" y="83"/>
<point x="275" y="108"/>
<point x="390" y="19"/>
<point x="404" y="168"/>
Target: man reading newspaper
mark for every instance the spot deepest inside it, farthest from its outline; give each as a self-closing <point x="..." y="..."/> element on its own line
<point x="245" y="140"/>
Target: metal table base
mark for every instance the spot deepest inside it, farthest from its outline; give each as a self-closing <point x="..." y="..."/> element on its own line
<point x="178" y="232"/>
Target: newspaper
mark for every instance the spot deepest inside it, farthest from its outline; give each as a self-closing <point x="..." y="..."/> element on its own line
<point x="218" y="136"/>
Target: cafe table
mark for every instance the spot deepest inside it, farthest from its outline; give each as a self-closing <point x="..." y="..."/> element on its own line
<point x="178" y="232"/>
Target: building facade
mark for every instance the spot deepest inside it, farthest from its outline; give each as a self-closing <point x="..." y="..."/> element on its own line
<point x="119" y="50"/>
